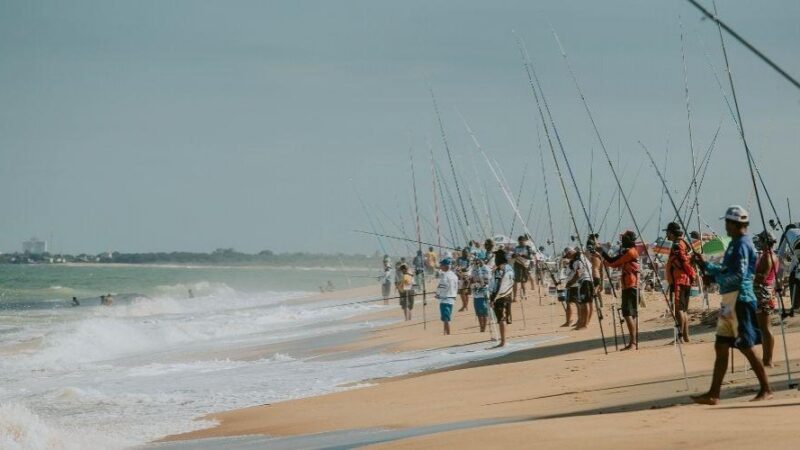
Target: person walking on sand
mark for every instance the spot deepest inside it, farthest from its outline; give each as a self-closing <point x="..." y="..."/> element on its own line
<point x="522" y="256"/>
<point x="628" y="262"/>
<point x="764" y="287"/>
<point x="406" y="288"/>
<point x="386" y="282"/>
<point x="479" y="282"/>
<point x="446" y="292"/>
<point x="680" y="275"/>
<point x="463" y="264"/>
<point x="737" y="325"/>
<point x="502" y="290"/>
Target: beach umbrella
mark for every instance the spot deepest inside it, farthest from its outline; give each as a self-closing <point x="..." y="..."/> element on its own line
<point x="716" y="246"/>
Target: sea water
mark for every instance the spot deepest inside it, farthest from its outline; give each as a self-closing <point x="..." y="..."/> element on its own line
<point x="155" y="361"/>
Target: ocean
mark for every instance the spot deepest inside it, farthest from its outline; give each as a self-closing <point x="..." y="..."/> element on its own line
<point x="151" y="364"/>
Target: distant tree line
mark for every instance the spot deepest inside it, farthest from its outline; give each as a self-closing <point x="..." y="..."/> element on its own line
<point x="221" y="256"/>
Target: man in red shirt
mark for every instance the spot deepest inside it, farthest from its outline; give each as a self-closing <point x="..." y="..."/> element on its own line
<point x="680" y="275"/>
<point x="628" y="262"/>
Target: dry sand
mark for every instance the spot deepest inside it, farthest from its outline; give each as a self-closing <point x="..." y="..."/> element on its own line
<point x="565" y="393"/>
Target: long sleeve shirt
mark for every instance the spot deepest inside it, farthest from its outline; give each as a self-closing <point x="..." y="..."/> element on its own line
<point x="737" y="270"/>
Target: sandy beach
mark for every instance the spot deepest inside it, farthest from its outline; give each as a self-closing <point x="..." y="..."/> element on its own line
<point x="564" y="392"/>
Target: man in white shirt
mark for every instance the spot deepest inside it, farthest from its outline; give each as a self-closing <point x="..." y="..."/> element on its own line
<point x="446" y="292"/>
<point x="579" y="284"/>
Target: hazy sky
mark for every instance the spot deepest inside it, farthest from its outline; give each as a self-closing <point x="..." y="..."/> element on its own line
<point x="192" y="125"/>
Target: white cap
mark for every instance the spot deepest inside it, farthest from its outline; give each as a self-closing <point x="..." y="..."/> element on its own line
<point x="736" y="213"/>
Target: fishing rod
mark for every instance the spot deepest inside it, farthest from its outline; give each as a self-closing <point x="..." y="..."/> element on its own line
<point x="624" y="197"/>
<point x="437" y="180"/>
<point x="751" y="164"/>
<point x="519" y="195"/>
<point x="507" y="194"/>
<point x="689" y="123"/>
<point x="369" y="219"/>
<point x="661" y="203"/>
<point x="402" y="239"/>
<point x="435" y="199"/>
<point x="739" y="126"/>
<point x="419" y="241"/>
<point x="449" y="156"/>
<point x="721" y="25"/>
<point x="546" y="193"/>
<point x="532" y="76"/>
<point x="452" y="204"/>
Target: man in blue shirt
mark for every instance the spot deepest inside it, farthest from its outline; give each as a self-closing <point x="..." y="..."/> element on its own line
<point x="737" y="324"/>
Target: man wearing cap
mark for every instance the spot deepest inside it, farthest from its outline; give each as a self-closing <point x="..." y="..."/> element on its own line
<point x="628" y="262"/>
<point x="446" y="292"/>
<point x="405" y="287"/>
<point x="480" y="277"/>
<point x="737" y="325"/>
<point x="680" y="274"/>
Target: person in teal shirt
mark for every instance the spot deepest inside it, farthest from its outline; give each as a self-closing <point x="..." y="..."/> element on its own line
<point x="737" y="324"/>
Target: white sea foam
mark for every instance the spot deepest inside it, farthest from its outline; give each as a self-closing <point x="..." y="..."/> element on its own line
<point x="111" y="377"/>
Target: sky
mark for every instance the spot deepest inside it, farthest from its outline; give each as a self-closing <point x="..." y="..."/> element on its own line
<point x="193" y="125"/>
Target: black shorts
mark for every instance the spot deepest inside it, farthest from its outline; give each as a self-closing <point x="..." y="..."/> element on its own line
<point x="585" y="292"/>
<point x="407" y="300"/>
<point x="630" y="303"/>
<point x="596" y="281"/>
<point x="520" y="273"/>
<point x="573" y="294"/>
<point x="502" y="309"/>
<point x="681" y="299"/>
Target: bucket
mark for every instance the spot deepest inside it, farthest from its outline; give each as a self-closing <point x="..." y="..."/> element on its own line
<point x="552" y="291"/>
<point x="694" y="291"/>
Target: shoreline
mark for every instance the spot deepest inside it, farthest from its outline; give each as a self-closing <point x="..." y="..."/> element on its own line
<point x="561" y="381"/>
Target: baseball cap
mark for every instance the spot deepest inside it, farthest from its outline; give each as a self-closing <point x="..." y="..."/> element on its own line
<point x="445" y="262"/>
<point x="736" y="213"/>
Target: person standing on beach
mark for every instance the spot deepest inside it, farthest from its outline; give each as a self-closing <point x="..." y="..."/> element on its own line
<point x="406" y="287"/>
<point x="680" y="275"/>
<point x="522" y="256"/>
<point x="737" y="325"/>
<point x="386" y="282"/>
<point x="419" y="269"/>
<point x="446" y="292"/>
<point x="628" y="262"/>
<point x="463" y="264"/>
<point x="579" y="284"/>
<point x="501" y="295"/>
<point x="479" y="281"/>
<point x="597" y="272"/>
<point x="764" y="287"/>
<point x="430" y="261"/>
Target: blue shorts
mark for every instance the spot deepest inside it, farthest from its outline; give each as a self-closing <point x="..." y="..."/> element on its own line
<point x="445" y="311"/>
<point x="481" y="307"/>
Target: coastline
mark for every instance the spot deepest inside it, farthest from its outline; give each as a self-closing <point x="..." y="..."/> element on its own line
<point x="525" y="393"/>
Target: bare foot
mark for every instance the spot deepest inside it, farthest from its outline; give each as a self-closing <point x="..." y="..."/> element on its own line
<point x="762" y="396"/>
<point x="768" y="364"/>
<point x="502" y="344"/>
<point x="565" y="324"/>
<point x="705" y="399"/>
<point x="582" y="327"/>
<point x="627" y="347"/>
<point x="686" y="339"/>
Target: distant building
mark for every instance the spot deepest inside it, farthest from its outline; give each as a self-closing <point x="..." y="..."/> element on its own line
<point x="34" y="246"/>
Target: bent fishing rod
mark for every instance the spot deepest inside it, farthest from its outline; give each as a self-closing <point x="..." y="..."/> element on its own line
<point x="532" y="76"/>
<point x="624" y="198"/>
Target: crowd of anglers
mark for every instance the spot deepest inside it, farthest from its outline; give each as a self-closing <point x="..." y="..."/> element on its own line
<point x="750" y="278"/>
